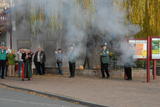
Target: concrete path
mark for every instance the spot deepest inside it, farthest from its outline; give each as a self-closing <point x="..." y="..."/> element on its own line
<point x="112" y="93"/>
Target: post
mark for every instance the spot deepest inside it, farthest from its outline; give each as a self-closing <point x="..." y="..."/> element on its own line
<point x="11" y="4"/>
<point x="154" y="69"/>
<point x="148" y="59"/>
<point x="10" y="38"/>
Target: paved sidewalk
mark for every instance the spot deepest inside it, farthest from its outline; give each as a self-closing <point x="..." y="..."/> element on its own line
<point x="14" y="98"/>
<point x="112" y="93"/>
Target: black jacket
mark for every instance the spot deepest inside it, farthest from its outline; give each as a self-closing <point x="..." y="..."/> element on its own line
<point x="42" y="57"/>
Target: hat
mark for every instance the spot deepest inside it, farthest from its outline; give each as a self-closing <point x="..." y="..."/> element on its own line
<point x="104" y="44"/>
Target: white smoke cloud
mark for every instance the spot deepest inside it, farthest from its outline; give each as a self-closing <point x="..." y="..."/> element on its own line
<point x="109" y="19"/>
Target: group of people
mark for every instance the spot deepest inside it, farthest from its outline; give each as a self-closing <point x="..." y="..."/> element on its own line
<point x="105" y="55"/>
<point x="10" y="58"/>
<point x="19" y="63"/>
<point x="23" y="58"/>
<point x="71" y="60"/>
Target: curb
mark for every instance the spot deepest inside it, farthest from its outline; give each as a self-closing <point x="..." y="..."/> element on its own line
<point x="67" y="99"/>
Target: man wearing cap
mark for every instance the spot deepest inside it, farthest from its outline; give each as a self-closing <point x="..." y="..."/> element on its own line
<point x="104" y="59"/>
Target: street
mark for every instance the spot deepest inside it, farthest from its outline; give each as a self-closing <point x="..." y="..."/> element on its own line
<point x="13" y="98"/>
<point x="112" y="92"/>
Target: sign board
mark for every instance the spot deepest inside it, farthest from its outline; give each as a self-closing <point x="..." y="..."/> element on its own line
<point x="155" y="52"/>
<point x="140" y="47"/>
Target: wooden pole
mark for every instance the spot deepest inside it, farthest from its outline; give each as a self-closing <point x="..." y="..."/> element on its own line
<point x="148" y="59"/>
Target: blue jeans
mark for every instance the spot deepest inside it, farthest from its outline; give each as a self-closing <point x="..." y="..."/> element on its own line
<point x="19" y="68"/>
<point x="60" y="68"/>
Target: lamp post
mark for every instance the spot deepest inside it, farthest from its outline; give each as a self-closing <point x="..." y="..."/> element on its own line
<point x="10" y="23"/>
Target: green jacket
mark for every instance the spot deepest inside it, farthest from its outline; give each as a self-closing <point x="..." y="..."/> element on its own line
<point x="104" y="56"/>
<point x="11" y="59"/>
<point x="3" y="54"/>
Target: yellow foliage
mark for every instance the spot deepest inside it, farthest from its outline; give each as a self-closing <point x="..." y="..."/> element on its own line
<point x="146" y="13"/>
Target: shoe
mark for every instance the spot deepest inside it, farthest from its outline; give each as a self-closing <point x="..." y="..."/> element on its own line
<point x="60" y="73"/>
<point x="108" y="77"/>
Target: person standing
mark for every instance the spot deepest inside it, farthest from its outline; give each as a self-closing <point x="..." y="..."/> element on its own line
<point x="24" y="64"/>
<point x="127" y="71"/>
<point x="42" y="61"/>
<point x="104" y="59"/>
<point x="3" y="57"/>
<point x="11" y="62"/>
<point x="72" y="62"/>
<point x="129" y="63"/>
<point x="39" y="61"/>
<point x="28" y="64"/>
<point x="59" y="60"/>
<point x="20" y="62"/>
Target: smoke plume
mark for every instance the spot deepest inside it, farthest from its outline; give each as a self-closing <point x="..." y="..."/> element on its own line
<point x="69" y="22"/>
